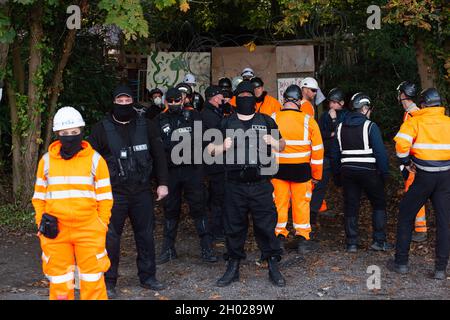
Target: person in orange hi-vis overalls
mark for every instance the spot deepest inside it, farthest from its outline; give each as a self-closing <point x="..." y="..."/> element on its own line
<point x="406" y="93"/>
<point x="264" y="103"/>
<point x="300" y="166"/>
<point x="73" y="202"/>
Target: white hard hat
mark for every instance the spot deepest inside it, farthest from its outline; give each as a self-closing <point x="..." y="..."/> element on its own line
<point x="309" y="83"/>
<point x="66" y="118"/>
<point x="235" y="82"/>
<point x="189" y="78"/>
<point x="247" y="72"/>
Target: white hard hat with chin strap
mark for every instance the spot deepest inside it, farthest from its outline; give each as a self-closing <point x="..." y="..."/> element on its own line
<point x="67" y="118"/>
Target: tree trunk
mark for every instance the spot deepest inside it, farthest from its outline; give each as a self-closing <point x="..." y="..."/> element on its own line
<point x="32" y="140"/>
<point x="427" y="71"/>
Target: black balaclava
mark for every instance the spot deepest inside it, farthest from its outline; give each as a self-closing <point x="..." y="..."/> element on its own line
<point x="246" y="105"/>
<point x="71" y="145"/>
<point x="123" y="112"/>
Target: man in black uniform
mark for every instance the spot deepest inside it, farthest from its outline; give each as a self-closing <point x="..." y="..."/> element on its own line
<point x="156" y="103"/>
<point x="132" y="148"/>
<point x="247" y="186"/>
<point x="212" y="115"/>
<point x="359" y="160"/>
<point x="185" y="177"/>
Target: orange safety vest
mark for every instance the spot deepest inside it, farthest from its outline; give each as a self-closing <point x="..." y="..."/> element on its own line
<point x="75" y="191"/>
<point x="307" y="107"/>
<point x="268" y="106"/>
<point x="426" y="139"/>
<point x="303" y="140"/>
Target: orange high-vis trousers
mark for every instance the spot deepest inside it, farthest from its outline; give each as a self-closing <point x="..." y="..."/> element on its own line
<point x="85" y="245"/>
<point x="299" y="193"/>
<point x="421" y="221"/>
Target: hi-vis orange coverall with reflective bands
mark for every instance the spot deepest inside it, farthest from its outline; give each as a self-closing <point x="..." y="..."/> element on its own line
<point x="303" y="146"/>
<point x="78" y="193"/>
<point x="421" y="221"/>
<point x="307" y="107"/>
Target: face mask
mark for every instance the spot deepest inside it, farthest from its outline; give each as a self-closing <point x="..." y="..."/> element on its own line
<point x="245" y="105"/>
<point x="123" y="112"/>
<point x="71" y="145"/>
<point x="175" y="108"/>
<point x="157" y="101"/>
<point x="225" y="107"/>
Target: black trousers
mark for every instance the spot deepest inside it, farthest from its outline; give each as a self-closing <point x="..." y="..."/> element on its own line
<point x="354" y="182"/>
<point x="187" y="181"/>
<point x="256" y="198"/>
<point x="426" y="185"/>
<point x="216" y="203"/>
<point x="139" y="207"/>
<point x="320" y="189"/>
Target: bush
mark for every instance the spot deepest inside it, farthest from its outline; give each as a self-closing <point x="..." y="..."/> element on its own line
<point x="15" y="218"/>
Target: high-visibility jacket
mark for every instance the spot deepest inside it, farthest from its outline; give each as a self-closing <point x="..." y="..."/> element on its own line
<point x="307" y="107"/>
<point x="75" y="191"/>
<point x="303" y="140"/>
<point x="268" y="106"/>
<point x="425" y="139"/>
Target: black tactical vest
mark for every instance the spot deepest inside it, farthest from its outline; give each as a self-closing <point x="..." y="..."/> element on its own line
<point x="355" y="146"/>
<point x="129" y="164"/>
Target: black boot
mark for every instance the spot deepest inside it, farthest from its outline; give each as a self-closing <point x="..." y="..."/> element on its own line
<point x="231" y="275"/>
<point x="274" y="273"/>
<point x="207" y="252"/>
<point x="282" y="240"/>
<point x="306" y="246"/>
<point x="168" y="249"/>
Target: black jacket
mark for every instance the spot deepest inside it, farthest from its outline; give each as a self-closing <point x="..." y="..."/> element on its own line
<point x="99" y="142"/>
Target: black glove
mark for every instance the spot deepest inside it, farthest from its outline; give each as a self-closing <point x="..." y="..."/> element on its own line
<point x="49" y="226"/>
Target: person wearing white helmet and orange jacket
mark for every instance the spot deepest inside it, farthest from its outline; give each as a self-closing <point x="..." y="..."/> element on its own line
<point x="300" y="166"/>
<point x="73" y="202"/>
<point x="309" y="88"/>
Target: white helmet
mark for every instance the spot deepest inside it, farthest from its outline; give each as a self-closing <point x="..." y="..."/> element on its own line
<point x="248" y="72"/>
<point x="235" y="82"/>
<point x="66" y="118"/>
<point x="190" y="79"/>
<point x="309" y="83"/>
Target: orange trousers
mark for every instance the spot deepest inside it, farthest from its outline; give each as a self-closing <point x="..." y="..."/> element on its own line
<point x="421" y="221"/>
<point x="83" y="245"/>
<point x="299" y="193"/>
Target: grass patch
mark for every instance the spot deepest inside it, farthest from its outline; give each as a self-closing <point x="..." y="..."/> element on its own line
<point x="16" y="218"/>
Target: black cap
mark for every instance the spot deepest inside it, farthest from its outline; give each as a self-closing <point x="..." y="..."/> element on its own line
<point x="173" y="94"/>
<point x="257" y="82"/>
<point x="155" y="90"/>
<point x="122" y="90"/>
<point x="244" y="86"/>
<point x="212" y="91"/>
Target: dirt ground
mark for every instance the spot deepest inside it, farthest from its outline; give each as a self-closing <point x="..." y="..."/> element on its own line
<point x="330" y="273"/>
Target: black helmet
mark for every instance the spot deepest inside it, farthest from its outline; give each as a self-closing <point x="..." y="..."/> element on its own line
<point x="359" y="100"/>
<point x="430" y="97"/>
<point x="408" y="88"/>
<point x="224" y="82"/>
<point x="257" y="82"/>
<point x="155" y="90"/>
<point x="184" y="88"/>
<point x="336" y="94"/>
<point x="244" y="86"/>
<point x="292" y="93"/>
<point x="173" y="94"/>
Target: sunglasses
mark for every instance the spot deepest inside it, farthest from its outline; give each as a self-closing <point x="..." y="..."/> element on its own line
<point x="313" y="90"/>
<point x="174" y="101"/>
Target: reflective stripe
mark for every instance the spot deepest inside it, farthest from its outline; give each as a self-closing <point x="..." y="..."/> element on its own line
<point x="402" y="167"/>
<point x="46" y="158"/>
<point x="316" y="161"/>
<point x="293" y="155"/>
<point x="308" y="195"/>
<point x="70" y="194"/>
<point x="421" y="219"/>
<point x="101" y="255"/>
<point x="366" y="134"/>
<point x="402" y="155"/>
<point x="102" y="183"/>
<point x="306" y="127"/>
<point x="368" y="160"/>
<point x="39" y="195"/>
<point x="274" y="116"/>
<point x="282" y="225"/>
<point x="41" y="182"/>
<point x="91" y="277"/>
<point x="302" y="226"/>
<point x="404" y="136"/>
<point x="104" y="196"/>
<point x="431" y="146"/>
<point x="45" y="258"/>
<point x="61" y="279"/>
<point x="339" y="136"/>
<point x="70" y="180"/>
<point x="298" y="142"/>
<point x="432" y="169"/>
<point x="95" y="160"/>
<point x="368" y="151"/>
<point x="318" y="147"/>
